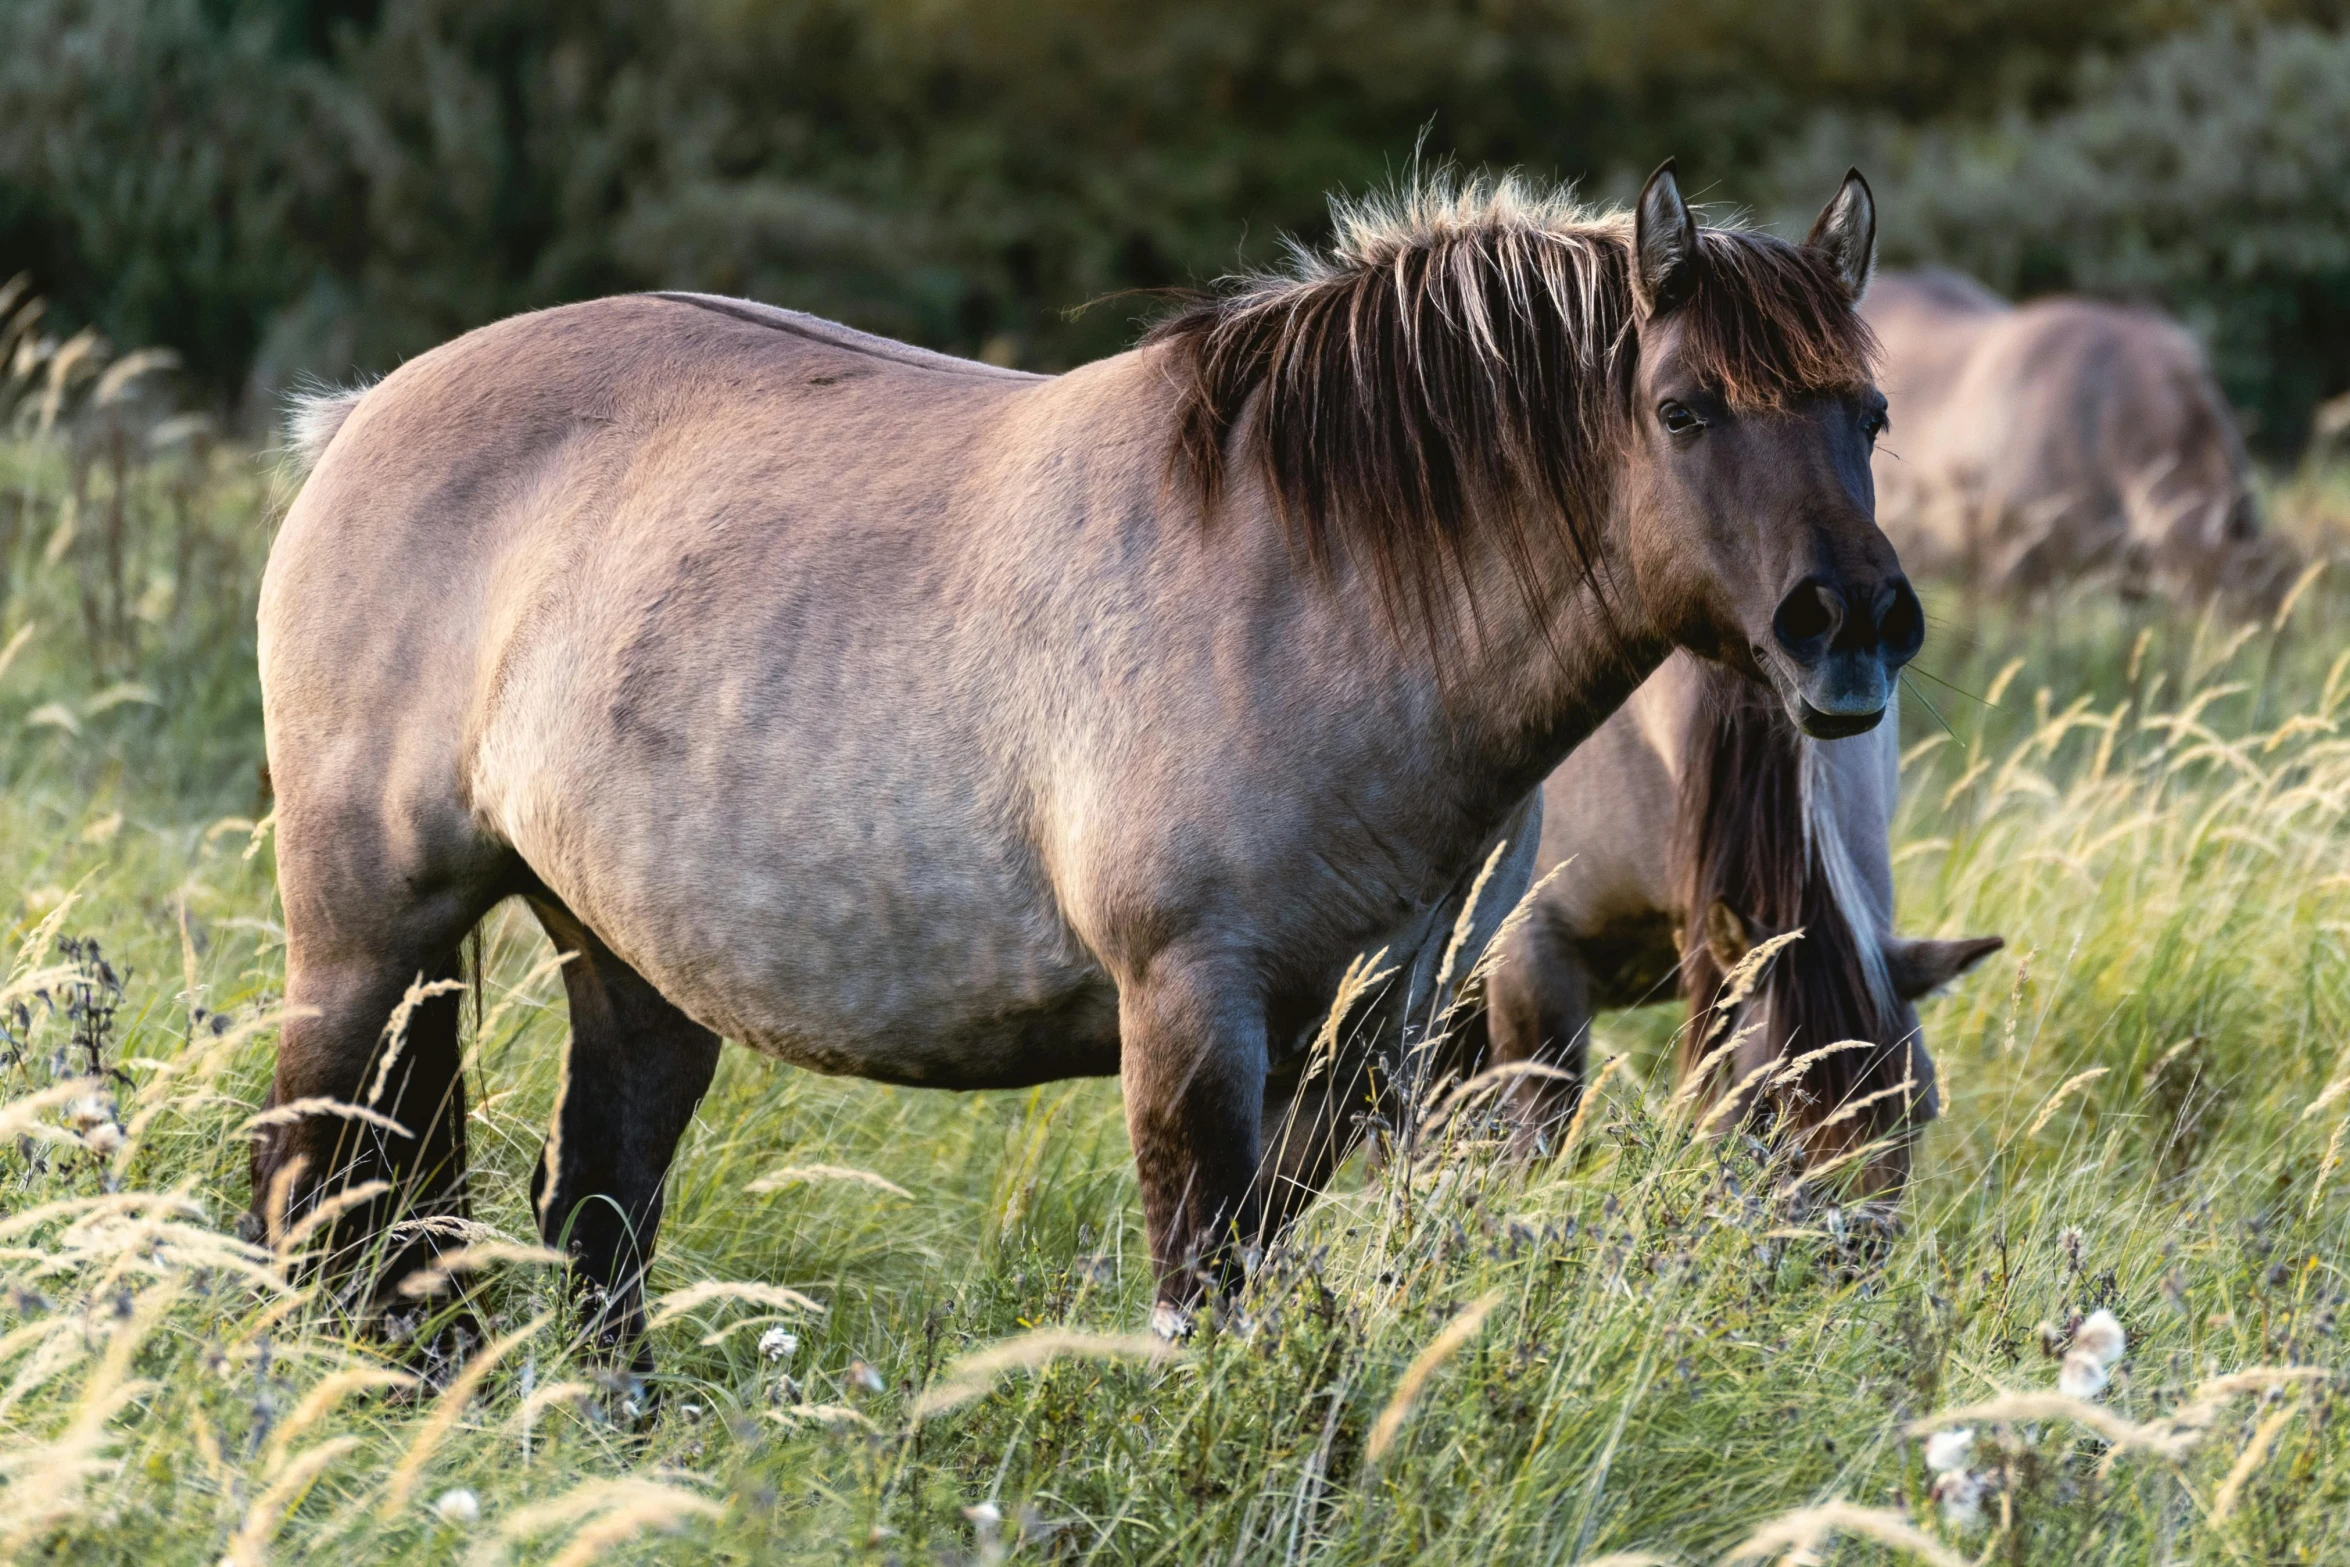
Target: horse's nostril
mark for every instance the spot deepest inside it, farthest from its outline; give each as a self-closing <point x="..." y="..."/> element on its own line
<point x="1901" y="624"/>
<point x="1807" y="617"/>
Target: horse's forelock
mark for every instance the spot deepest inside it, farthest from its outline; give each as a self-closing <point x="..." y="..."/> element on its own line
<point x="1769" y="322"/>
<point x="1448" y="378"/>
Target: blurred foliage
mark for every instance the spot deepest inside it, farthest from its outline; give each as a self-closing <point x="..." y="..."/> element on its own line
<point x="274" y="187"/>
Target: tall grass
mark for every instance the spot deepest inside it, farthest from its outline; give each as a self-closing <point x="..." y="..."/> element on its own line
<point x="1671" y="1347"/>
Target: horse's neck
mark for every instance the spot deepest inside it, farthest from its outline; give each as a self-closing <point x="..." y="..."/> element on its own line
<point x="1530" y="686"/>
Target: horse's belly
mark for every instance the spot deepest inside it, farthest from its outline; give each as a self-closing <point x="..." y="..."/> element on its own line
<point x="934" y="967"/>
<point x="946" y="982"/>
<point x="854" y="914"/>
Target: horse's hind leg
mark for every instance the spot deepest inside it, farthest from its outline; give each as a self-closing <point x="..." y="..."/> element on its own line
<point x="1310" y="1128"/>
<point x="634" y="1071"/>
<point x="367" y="918"/>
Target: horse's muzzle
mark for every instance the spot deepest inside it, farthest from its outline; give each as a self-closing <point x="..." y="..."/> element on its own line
<point x="1842" y="646"/>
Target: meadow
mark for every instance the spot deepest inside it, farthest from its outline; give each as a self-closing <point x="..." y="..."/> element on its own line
<point x="898" y="1326"/>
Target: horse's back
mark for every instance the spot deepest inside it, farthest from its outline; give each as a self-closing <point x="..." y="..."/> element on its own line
<point x="493" y="486"/>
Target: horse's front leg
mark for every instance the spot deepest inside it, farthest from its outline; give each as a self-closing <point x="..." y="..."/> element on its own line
<point x="1538" y="1012"/>
<point x="1192" y="1065"/>
<point x="1313" y="1119"/>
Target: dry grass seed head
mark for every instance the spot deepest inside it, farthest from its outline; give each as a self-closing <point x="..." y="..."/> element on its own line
<point x="807" y="1174"/>
<point x="249" y="1546"/>
<point x="677" y="1303"/>
<point x="474" y="1257"/>
<point x="1807" y="1529"/>
<point x="446" y="1410"/>
<point x="1438" y="1350"/>
<point x="972" y="1375"/>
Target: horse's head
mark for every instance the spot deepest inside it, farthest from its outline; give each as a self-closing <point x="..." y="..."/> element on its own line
<point x="1829" y="1038"/>
<point x="1802" y="994"/>
<point x="1751" y="514"/>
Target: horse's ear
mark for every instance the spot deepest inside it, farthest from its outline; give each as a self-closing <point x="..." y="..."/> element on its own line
<point x="1919" y="968"/>
<point x="1846" y="231"/>
<point x="1664" y="244"/>
<point x="1726" y="936"/>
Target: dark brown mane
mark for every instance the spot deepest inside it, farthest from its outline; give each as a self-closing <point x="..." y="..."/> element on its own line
<point x="1457" y="362"/>
<point x="1741" y="840"/>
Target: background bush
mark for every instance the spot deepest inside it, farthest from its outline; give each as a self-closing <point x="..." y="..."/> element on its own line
<point x="274" y="187"/>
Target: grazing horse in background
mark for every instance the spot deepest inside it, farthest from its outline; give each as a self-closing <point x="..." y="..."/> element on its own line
<point x="915" y="720"/>
<point x="2035" y="443"/>
<point x="1695" y="823"/>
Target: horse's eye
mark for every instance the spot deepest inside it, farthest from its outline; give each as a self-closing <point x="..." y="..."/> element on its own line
<point x="1678" y="419"/>
<point x="1874" y="423"/>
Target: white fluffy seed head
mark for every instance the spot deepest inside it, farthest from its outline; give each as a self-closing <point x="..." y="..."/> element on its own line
<point x="2102" y="1336"/>
<point x="460" y="1506"/>
<point x="1948" y="1450"/>
<point x="2083" y="1375"/>
<point x="1961" y="1496"/>
<point x="779" y="1343"/>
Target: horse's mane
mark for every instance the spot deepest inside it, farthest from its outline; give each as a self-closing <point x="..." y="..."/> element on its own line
<point x="1458" y="361"/>
<point x="1744" y="839"/>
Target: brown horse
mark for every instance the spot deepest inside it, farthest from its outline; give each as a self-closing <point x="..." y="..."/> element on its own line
<point x="2037" y="443"/>
<point x="1693" y="824"/>
<point x="911" y="719"/>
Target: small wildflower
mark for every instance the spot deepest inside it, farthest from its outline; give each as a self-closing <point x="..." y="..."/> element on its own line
<point x="105" y="1139"/>
<point x="779" y="1343"/>
<point x="690" y="1411"/>
<point x="863" y="1377"/>
<point x="1948" y="1450"/>
<point x="90" y="1110"/>
<point x="985" y="1514"/>
<point x="460" y="1507"/>
<point x="2070" y="1243"/>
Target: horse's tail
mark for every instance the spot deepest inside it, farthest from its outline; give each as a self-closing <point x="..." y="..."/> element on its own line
<point x="314" y="415"/>
<point x="1753" y="859"/>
